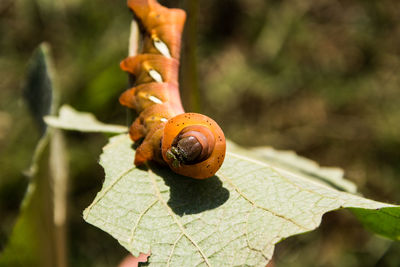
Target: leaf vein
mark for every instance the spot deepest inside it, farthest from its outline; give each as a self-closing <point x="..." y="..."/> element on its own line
<point x="173" y="249"/>
<point x="248" y="241"/>
<point x="181" y="227"/>
<point x="258" y="206"/>
<point x="139" y="219"/>
<point x="106" y="190"/>
<point x="274" y="169"/>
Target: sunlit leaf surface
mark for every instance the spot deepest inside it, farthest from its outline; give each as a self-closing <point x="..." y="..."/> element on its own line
<point x="232" y="219"/>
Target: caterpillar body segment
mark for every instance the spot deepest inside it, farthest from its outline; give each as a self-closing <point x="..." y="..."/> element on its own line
<point x="191" y="144"/>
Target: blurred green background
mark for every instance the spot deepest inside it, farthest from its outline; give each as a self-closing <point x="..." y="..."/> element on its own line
<point x="318" y="77"/>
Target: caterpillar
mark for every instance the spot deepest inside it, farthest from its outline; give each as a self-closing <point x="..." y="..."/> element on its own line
<point x="191" y="144"/>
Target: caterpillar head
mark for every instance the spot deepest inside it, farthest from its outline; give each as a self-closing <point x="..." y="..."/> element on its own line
<point x="193" y="145"/>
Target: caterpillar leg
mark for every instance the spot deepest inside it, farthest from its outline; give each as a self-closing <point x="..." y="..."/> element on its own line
<point x="150" y="118"/>
<point x="150" y="149"/>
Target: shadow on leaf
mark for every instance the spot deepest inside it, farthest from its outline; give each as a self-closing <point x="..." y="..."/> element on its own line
<point x="191" y="196"/>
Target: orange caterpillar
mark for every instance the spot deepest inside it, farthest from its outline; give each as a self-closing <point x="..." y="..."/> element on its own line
<point x="191" y="144"/>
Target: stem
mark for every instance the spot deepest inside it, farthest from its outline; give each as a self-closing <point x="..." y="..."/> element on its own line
<point x="134" y="39"/>
<point x="133" y="50"/>
<point x="59" y="175"/>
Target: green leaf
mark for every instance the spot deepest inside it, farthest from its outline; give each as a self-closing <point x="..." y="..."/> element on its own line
<point x="233" y="218"/>
<point x="385" y="223"/>
<point x="31" y="242"/>
<point x="38" y="86"/>
<point x="70" y="119"/>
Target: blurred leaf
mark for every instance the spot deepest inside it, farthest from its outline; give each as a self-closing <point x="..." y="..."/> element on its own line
<point x="290" y="161"/>
<point x="99" y="91"/>
<point x="235" y="217"/>
<point x="70" y="119"/>
<point x="5" y="124"/>
<point x="38" y="88"/>
<point x="385" y="223"/>
<point x="31" y="242"/>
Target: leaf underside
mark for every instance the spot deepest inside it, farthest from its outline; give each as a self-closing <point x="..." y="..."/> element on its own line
<point x="232" y="219"/>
